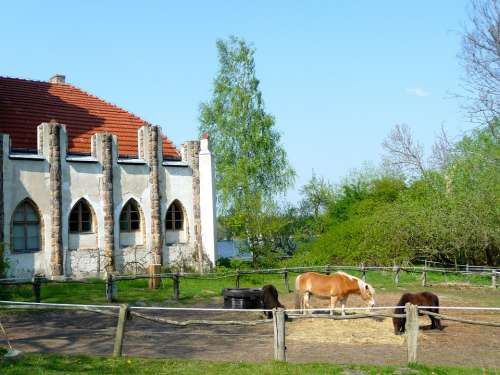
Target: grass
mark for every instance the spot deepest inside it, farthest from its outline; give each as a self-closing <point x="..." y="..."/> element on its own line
<point x="35" y="364"/>
<point x="194" y="289"/>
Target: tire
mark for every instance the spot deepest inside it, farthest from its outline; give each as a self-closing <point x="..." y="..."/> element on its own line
<point x="242" y="298"/>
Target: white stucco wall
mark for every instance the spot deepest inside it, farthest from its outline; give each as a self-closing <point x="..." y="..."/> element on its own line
<point x="177" y="184"/>
<point x="207" y="202"/>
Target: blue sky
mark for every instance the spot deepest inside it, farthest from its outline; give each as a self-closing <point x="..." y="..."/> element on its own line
<point x="337" y="75"/>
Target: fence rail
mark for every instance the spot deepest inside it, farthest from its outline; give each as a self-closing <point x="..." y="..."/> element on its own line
<point x="127" y="312"/>
<point x="111" y="280"/>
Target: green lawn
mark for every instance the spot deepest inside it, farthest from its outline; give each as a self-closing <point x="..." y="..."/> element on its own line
<point x="35" y="364"/>
<point x="193" y="289"/>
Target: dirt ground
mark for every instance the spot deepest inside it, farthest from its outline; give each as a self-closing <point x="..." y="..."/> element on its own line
<point x="366" y="341"/>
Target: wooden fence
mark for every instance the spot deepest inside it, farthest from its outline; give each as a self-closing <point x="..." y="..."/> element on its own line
<point x="127" y="312"/>
<point x="111" y="281"/>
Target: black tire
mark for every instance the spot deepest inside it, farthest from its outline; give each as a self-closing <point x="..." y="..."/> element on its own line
<point x="242" y="298"/>
<point x="242" y="292"/>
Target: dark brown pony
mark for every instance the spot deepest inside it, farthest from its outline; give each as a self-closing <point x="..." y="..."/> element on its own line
<point x="419" y="299"/>
<point x="270" y="300"/>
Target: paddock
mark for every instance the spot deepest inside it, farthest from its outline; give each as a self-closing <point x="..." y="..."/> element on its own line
<point x="360" y="341"/>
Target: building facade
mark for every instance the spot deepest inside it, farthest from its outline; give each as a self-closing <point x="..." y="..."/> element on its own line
<point x="88" y="188"/>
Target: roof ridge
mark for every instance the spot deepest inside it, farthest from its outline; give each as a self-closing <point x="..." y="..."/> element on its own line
<point x="93" y="101"/>
<point x="24" y="79"/>
<point x="82" y="91"/>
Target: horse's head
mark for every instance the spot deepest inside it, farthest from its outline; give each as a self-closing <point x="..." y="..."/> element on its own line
<point x="367" y="293"/>
<point x="399" y="325"/>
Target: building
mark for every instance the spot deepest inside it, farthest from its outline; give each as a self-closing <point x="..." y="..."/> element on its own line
<point x="87" y="187"/>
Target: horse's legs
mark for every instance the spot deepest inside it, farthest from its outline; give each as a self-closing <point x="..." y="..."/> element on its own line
<point x="435" y="323"/>
<point x="306" y="302"/>
<point x="333" y="302"/>
<point x="343" y="301"/>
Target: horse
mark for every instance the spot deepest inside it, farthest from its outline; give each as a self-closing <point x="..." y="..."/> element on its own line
<point x="419" y="299"/>
<point x="336" y="287"/>
<point x="270" y="300"/>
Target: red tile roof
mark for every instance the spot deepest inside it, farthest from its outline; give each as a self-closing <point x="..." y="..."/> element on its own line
<point x="24" y="104"/>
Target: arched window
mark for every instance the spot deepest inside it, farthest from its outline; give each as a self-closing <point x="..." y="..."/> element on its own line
<point x="25" y="228"/>
<point x="175" y="217"/>
<point x="80" y="218"/>
<point x="130" y="218"/>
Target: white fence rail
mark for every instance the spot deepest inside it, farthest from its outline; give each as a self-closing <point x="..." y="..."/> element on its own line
<point x="126" y="312"/>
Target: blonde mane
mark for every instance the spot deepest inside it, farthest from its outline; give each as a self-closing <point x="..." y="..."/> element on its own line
<point x="361" y="283"/>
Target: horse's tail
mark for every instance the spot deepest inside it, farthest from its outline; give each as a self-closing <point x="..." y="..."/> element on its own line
<point x="298" y="294"/>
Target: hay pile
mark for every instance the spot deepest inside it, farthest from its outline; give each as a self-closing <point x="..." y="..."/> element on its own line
<point x="356" y="331"/>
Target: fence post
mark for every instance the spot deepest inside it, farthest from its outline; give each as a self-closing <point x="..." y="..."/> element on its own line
<point x="155" y="278"/>
<point x="175" y="280"/>
<point x="110" y="288"/>
<point x="494" y="279"/>
<point x="397" y="269"/>
<point x="120" y="330"/>
<point x="279" y="334"/>
<point x="424" y="277"/>
<point x="411" y="329"/>
<point x="328" y="269"/>
<point x="363" y="272"/>
<point x="37" y="285"/>
<point x="285" y="275"/>
<point x="238" y="278"/>
<point x="467" y="268"/>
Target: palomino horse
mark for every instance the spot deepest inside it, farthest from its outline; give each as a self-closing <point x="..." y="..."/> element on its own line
<point x="336" y="287"/>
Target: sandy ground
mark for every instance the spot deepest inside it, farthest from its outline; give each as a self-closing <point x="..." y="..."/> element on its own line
<point x="366" y="341"/>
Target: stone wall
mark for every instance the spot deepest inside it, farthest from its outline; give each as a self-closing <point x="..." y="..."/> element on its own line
<point x="54" y="141"/>
<point x="106" y="141"/>
<point x="154" y="150"/>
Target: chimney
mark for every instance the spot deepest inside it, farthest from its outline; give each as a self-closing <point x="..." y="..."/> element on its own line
<point x="58" y="78"/>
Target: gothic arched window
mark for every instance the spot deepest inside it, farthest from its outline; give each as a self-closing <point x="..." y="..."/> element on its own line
<point x="80" y="218"/>
<point x="26" y="228"/>
<point x="175" y="217"/>
<point x="130" y="218"/>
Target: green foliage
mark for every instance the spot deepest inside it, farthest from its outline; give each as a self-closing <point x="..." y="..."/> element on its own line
<point x="450" y="215"/>
<point x="251" y="165"/>
<point x="358" y="230"/>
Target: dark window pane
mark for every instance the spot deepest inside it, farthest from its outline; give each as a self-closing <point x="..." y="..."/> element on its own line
<point x="134" y="216"/>
<point x="85" y="209"/>
<point x="124" y="225"/>
<point x="73" y="216"/>
<point x="86" y="216"/>
<point x="32" y="243"/>
<point x="134" y="225"/>
<point x="86" y="227"/>
<point x="19" y="214"/>
<point x="73" y="226"/>
<point x="18" y="230"/>
<point x="18" y="244"/>
<point x="31" y="215"/>
<point x="169" y="225"/>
